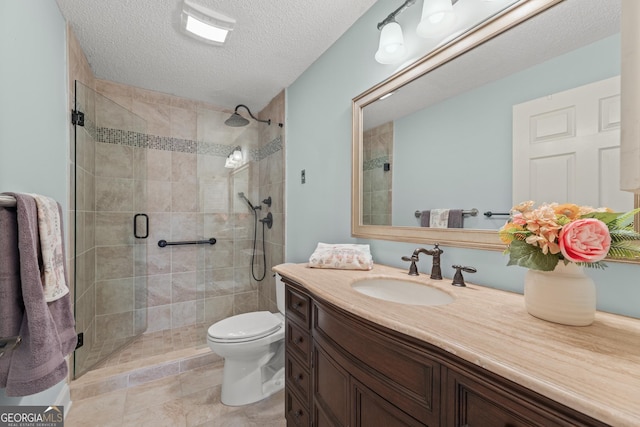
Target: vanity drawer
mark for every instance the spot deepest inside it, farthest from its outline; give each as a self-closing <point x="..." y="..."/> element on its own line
<point x="297" y="378"/>
<point x="298" y="342"/>
<point x="298" y="307"/>
<point x="295" y="412"/>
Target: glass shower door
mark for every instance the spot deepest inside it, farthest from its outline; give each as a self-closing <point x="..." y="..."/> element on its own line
<point x="110" y="201"/>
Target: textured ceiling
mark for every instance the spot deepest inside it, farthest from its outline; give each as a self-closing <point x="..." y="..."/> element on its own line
<point x="139" y="43"/>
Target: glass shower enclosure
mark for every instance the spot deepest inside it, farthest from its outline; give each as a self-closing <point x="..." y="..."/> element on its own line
<point x="111" y="226"/>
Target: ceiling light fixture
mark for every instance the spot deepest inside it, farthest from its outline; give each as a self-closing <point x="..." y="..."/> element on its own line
<point x="437" y="17"/>
<point x="205" y="24"/>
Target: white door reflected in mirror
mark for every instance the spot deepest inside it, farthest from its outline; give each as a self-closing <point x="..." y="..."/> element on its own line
<point x="566" y="148"/>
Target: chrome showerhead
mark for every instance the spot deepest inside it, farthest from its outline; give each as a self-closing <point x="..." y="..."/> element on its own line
<point x="236" y="120"/>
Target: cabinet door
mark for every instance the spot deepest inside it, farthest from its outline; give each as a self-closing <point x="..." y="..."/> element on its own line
<point x="372" y="410"/>
<point x="405" y="376"/>
<point x="330" y="391"/>
<point x="478" y="402"/>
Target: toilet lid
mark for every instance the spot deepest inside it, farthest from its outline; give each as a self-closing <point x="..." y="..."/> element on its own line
<point x="243" y="327"/>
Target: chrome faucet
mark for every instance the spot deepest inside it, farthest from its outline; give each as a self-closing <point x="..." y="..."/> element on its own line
<point x="436" y="272"/>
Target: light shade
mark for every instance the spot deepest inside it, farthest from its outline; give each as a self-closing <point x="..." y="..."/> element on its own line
<point x="234" y="159"/>
<point x="205" y="24"/>
<point x="391" y="48"/>
<point x="437" y="18"/>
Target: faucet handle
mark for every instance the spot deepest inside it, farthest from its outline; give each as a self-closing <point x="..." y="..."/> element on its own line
<point x="458" y="279"/>
<point x="413" y="269"/>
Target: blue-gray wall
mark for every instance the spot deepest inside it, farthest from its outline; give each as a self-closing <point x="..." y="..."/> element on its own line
<point x="34" y="138"/>
<point x="319" y="141"/>
<point x="450" y="144"/>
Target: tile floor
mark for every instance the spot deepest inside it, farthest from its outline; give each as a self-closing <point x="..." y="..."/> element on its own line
<point x="190" y="399"/>
<point x="112" y="353"/>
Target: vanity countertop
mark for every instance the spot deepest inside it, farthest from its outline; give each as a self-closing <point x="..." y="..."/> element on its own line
<point x="593" y="369"/>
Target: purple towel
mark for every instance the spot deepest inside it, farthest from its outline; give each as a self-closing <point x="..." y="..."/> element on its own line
<point x="47" y="329"/>
<point x="455" y="218"/>
<point x="425" y="218"/>
<point x="11" y="307"/>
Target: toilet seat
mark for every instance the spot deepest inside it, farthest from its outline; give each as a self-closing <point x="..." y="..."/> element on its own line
<point x="244" y="327"/>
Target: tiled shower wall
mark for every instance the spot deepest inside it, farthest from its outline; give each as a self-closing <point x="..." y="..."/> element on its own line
<point x="377" y="183"/>
<point x="271" y="184"/>
<point x="190" y="195"/>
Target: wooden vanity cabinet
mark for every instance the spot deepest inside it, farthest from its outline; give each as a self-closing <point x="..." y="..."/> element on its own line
<point x="476" y="397"/>
<point x="297" y="357"/>
<point x="342" y="370"/>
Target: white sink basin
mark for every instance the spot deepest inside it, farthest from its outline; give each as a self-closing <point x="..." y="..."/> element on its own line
<point x="402" y="291"/>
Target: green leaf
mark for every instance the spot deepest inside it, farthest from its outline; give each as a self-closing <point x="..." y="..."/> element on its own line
<point x="598" y="265"/>
<point x="529" y="256"/>
<point x="622" y="235"/>
<point x="629" y="249"/>
<point x="625" y="220"/>
<point x="615" y="220"/>
<point x="606" y="217"/>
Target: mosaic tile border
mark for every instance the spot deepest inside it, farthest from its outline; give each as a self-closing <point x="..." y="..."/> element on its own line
<point x="269" y="148"/>
<point x="378" y="162"/>
<point x="143" y="140"/>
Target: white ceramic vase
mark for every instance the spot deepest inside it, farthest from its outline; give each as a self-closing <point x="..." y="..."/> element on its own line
<point x="565" y="295"/>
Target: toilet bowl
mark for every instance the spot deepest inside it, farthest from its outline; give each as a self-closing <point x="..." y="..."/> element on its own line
<point x="252" y="345"/>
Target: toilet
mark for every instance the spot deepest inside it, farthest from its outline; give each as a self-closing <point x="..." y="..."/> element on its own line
<point x="252" y="345"/>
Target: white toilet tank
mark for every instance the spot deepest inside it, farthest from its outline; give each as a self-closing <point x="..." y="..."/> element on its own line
<point x="280" y="293"/>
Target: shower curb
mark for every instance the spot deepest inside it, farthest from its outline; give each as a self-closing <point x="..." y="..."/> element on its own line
<point x="131" y="374"/>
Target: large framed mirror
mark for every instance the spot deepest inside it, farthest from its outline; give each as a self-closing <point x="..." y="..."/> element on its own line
<point x="458" y="130"/>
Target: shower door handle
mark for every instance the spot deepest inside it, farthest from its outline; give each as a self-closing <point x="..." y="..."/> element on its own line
<point x="135" y="226"/>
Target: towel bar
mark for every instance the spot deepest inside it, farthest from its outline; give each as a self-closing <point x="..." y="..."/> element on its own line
<point x="489" y="214"/>
<point x="470" y="212"/>
<point x="9" y="343"/>
<point x="7" y="201"/>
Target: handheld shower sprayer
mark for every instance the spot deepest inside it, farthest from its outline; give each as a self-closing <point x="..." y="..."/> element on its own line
<point x="268" y="221"/>
<point x="254" y="208"/>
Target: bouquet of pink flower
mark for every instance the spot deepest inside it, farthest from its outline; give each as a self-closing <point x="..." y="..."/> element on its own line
<point x="539" y="238"/>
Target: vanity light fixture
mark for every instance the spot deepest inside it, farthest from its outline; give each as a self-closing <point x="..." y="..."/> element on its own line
<point x="437" y="18"/>
<point x="391" y="47"/>
<point x="234" y="159"/>
<point x="205" y="24"/>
